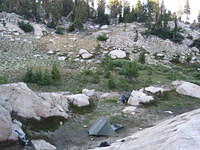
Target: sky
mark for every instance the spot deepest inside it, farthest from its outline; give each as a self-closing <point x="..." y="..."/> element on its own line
<point x="175" y="5"/>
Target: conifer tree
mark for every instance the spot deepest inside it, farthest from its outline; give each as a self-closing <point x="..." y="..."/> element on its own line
<point x="187" y="10"/>
<point x="115" y="7"/>
<point x="102" y="18"/>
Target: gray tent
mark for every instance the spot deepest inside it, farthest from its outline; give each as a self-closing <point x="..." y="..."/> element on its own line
<point x="101" y="127"/>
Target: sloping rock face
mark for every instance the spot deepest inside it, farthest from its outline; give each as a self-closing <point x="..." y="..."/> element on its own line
<point x="179" y="133"/>
<point x="189" y="89"/>
<point x="5" y="124"/>
<point x="17" y="97"/>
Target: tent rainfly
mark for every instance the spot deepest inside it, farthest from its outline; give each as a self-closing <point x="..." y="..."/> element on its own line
<point x="101" y="127"/>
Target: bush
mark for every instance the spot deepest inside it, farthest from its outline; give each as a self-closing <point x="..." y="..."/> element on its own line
<point x="59" y="30"/>
<point x="130" y="70"/>
<point x="42" y="77"/>
<point x="97" y="48"/>
<point x="142" y="57"/>
<point x="111" y="83"/>
<point x="38" y="76"/>
<point x="102" y="37"/>
<point x="166" y="34"/>
<point x="51" y="25"/>
<point x="26" y="27"/>
<point x="175" y="59"/>
<point x="71" y="28"/>
<point x="3" y="79"/>
<point x="55" y="72"/>
<point x="89" y="76"/>
<point x="188" y="58"/>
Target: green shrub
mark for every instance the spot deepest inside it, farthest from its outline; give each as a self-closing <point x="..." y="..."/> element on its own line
<point x="87" y="72"/>
<point x="175" y="59"/>
<point x="38" y="76"/>
<point x="166" y="34"/>
<point x="59" y="30"/>
<point x="51" y="25"/>
<point x="196" y="75"/>
<point x="130" y="70"/>
<point x="88" y="76"/>
<point x="111" y="83"/>
<point x="26" y="27"/>
<point x="55" y="73"/>
<point x="107" y="63"/>
<point x="97" y="48"/>
<point x="189" y="58"/>
<point x="41" y="77"/>
<point x="71" y="28"/>
<point x="102" y="37"/>
<point x="46" y="78"/>
<point x="3" y="79"/>
<point x="142" y="57"/>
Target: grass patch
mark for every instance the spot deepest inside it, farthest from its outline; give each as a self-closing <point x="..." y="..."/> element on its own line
<point x="3" y="80"/>
<point x="172" y="101"/>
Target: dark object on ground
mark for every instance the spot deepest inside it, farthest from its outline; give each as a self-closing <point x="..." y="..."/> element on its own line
<point x="101" y="127"/>
<point x="116" y="127"/>
<point x="124" y="97"/>
<point x="21" y="138"/>
<point x="26" y="27"/>
<point x="196" y="43"/>
<point x="104" y="144"/>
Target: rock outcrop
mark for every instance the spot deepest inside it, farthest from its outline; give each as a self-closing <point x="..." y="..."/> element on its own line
<point x="138" y="97"/>
<point x="5" y="124"/>
<point x="17" y="97"/>
<point x="178" y="133"/>
<point x="189" y="89"/>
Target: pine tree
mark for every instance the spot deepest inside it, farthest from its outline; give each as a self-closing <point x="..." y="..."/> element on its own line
<point x="199" y="17"/>
<point x="115" y="7"/>
<point x="80" y="13"/>
<point x="102" y="18"/>
<point x="138" y="9"/>
<point x="67" y="7"/>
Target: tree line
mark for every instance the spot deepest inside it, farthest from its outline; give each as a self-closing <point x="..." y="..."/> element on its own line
<point x="152" y="13"/>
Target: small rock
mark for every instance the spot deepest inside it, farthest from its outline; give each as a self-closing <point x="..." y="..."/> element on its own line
<point x="62" y="58"/>
<point x="138" y="97"/>
<point x="88" y="92"/>
<point x="104" y="27"/>
<point x="117" y="54"/>
<point x="154" y="90"/>
<point x="129" y="110"/>
<point x="42" y="145"/>
<point x="79" y="100"/>
<point x="169" y="112"/>
<point x="50" y="52"/>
